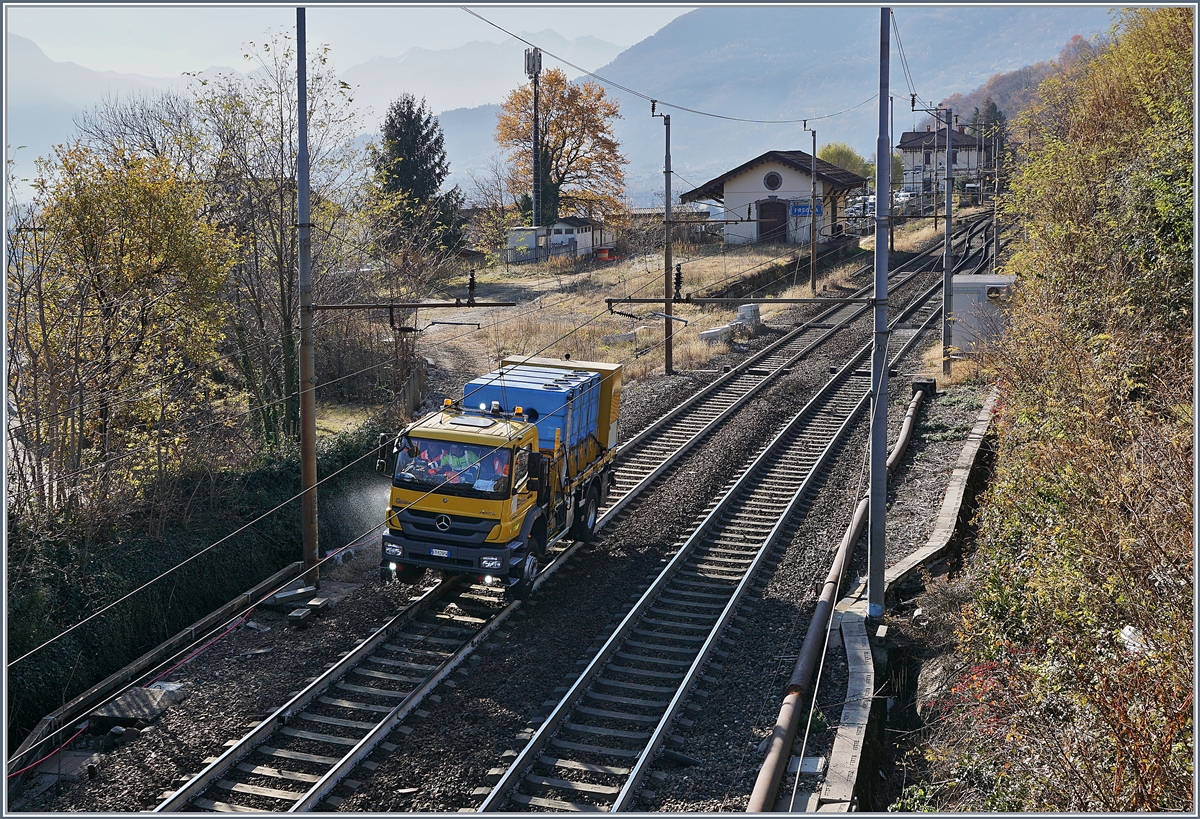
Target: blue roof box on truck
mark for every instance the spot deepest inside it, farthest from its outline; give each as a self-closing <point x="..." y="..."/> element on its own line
<point x="547" y="393"/>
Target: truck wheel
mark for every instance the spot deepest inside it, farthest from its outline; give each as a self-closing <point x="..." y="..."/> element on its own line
<point x="585" y="528"/>
<point x="529" y="570"/>
<point x="409" y="574"/>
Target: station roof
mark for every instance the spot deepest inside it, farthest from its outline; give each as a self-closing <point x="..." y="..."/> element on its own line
<point x="832" y="175"/>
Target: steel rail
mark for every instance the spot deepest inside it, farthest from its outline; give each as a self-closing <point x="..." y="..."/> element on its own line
<point x="705" y="395"/>
<point x="322" y="787"/>
<point x="329" y="780"/>
<point x="517" y="770"/>
<point x="728" y="379"/>
<point x="310" y="692"/>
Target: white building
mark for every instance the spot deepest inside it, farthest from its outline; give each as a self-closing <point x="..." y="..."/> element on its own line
<point x="573" y="236"/>
<point x="578" y="235"/>
<point x="769" y="198"/>
<point x="924" y="156"/>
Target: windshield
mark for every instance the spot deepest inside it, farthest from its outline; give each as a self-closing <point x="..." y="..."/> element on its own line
<point x="453" y="468"/>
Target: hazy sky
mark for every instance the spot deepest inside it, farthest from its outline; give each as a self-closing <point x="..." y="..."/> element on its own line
<point x="165" y="40"/>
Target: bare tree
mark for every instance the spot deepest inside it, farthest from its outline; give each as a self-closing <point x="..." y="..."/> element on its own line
<point x="251" y="125"/>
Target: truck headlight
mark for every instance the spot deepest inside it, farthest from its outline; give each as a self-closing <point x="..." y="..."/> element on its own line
<point x="489" y="563"/>
<point x="394" y="550"/>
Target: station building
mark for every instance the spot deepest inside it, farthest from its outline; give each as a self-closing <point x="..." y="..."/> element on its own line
<point x="767" y="198"/>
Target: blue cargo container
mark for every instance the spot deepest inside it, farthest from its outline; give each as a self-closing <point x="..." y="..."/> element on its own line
<point x="548" y="393"/>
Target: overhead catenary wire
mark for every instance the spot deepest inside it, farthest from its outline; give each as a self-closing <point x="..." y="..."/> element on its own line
<point x="109" y="606"/>
<point x="259" y="408"/>
<point x="661" y="102"/>
<point x="204" y="643"/>
<point x="261" y="517"/>
<point x="904" y="62"/>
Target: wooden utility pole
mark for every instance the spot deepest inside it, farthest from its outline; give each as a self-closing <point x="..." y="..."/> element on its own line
<point x="308" y="386"/>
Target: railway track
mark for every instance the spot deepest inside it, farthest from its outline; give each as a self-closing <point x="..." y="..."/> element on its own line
<point x="293" y="759"/>
<point x="653" y="450"/>
<point x="595" y="746"/>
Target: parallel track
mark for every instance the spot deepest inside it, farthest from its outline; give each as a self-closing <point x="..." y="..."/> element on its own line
<point x="318" y="737"/>
<point x="594" y="747"/>
<point x="653" y="450"/>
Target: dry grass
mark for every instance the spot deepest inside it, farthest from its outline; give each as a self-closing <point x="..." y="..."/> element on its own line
<point x="574" y="301"/>
<point x="962" y="370"/>
<point x="916" y="234"/>
<point x="335" y="418"/>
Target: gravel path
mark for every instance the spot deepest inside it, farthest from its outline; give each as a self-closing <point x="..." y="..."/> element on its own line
<point x="448" y="753"/>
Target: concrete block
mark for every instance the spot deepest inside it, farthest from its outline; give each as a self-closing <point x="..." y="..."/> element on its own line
<point x="716" y="335"/>
<point x="292" y="598"/>
<point x="175" y="690"/>
<point x="319" y="606"/>
<point x="146" y="704"/>
<point x="749" y="314"/>
<point x="299" y="617"/>
<point x="71" y="765"/>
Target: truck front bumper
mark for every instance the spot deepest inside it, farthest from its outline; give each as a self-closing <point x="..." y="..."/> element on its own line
<point x="486" y="559"/>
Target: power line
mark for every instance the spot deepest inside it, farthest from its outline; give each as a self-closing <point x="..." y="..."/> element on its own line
<point x="271" y="511"/>
<point x="904" y="61"/>
<point x="648" y="98"/>
<point x="240" y="529"/>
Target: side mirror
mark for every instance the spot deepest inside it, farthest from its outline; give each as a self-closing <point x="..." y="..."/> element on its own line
<point x="380" y="462"/>
<point x="533" y="484"/>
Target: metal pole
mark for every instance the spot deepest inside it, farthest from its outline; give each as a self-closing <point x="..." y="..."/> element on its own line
<point x="813" y="229"/>
<point x="537" y="159"/>
<point x="948" y="252"/>
<point x="996" y="201"/>
<point x="936" y="131"/>
<point x="669" y="364"/>
<point x="308" y="379"/>
<point x="879" y="382"/>
<point x="892" y="140"/>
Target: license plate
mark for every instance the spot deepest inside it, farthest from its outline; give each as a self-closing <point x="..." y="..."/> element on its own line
<point x="439" y="552"/>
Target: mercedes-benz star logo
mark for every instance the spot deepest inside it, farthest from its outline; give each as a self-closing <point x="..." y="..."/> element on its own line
<point x="442" y="522"/>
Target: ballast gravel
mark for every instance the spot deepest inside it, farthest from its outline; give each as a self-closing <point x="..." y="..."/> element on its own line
<point x="483" y="710"/>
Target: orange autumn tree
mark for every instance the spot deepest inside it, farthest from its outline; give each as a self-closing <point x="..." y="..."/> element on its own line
<point x="582" y="166"/>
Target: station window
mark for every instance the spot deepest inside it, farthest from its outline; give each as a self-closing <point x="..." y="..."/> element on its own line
<point x="558" y="231"/>
<point x="927" y="158"/>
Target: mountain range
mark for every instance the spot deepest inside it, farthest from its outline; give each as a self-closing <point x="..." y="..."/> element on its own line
<point x="751" y="63"/>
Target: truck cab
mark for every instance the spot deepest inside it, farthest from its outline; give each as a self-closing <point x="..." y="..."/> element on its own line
<point x="481" y="489"/>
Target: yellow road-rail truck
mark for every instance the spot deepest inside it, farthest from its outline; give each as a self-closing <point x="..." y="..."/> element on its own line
<point x="484" y="485"/>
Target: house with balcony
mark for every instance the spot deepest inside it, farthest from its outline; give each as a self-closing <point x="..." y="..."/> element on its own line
<point x="923" y="154"/>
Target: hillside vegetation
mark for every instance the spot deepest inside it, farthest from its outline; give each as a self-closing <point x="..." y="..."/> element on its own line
<point x="1077" y="635"/>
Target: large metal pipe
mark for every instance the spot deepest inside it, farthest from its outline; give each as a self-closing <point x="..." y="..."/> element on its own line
<point x="766" y="787"/>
